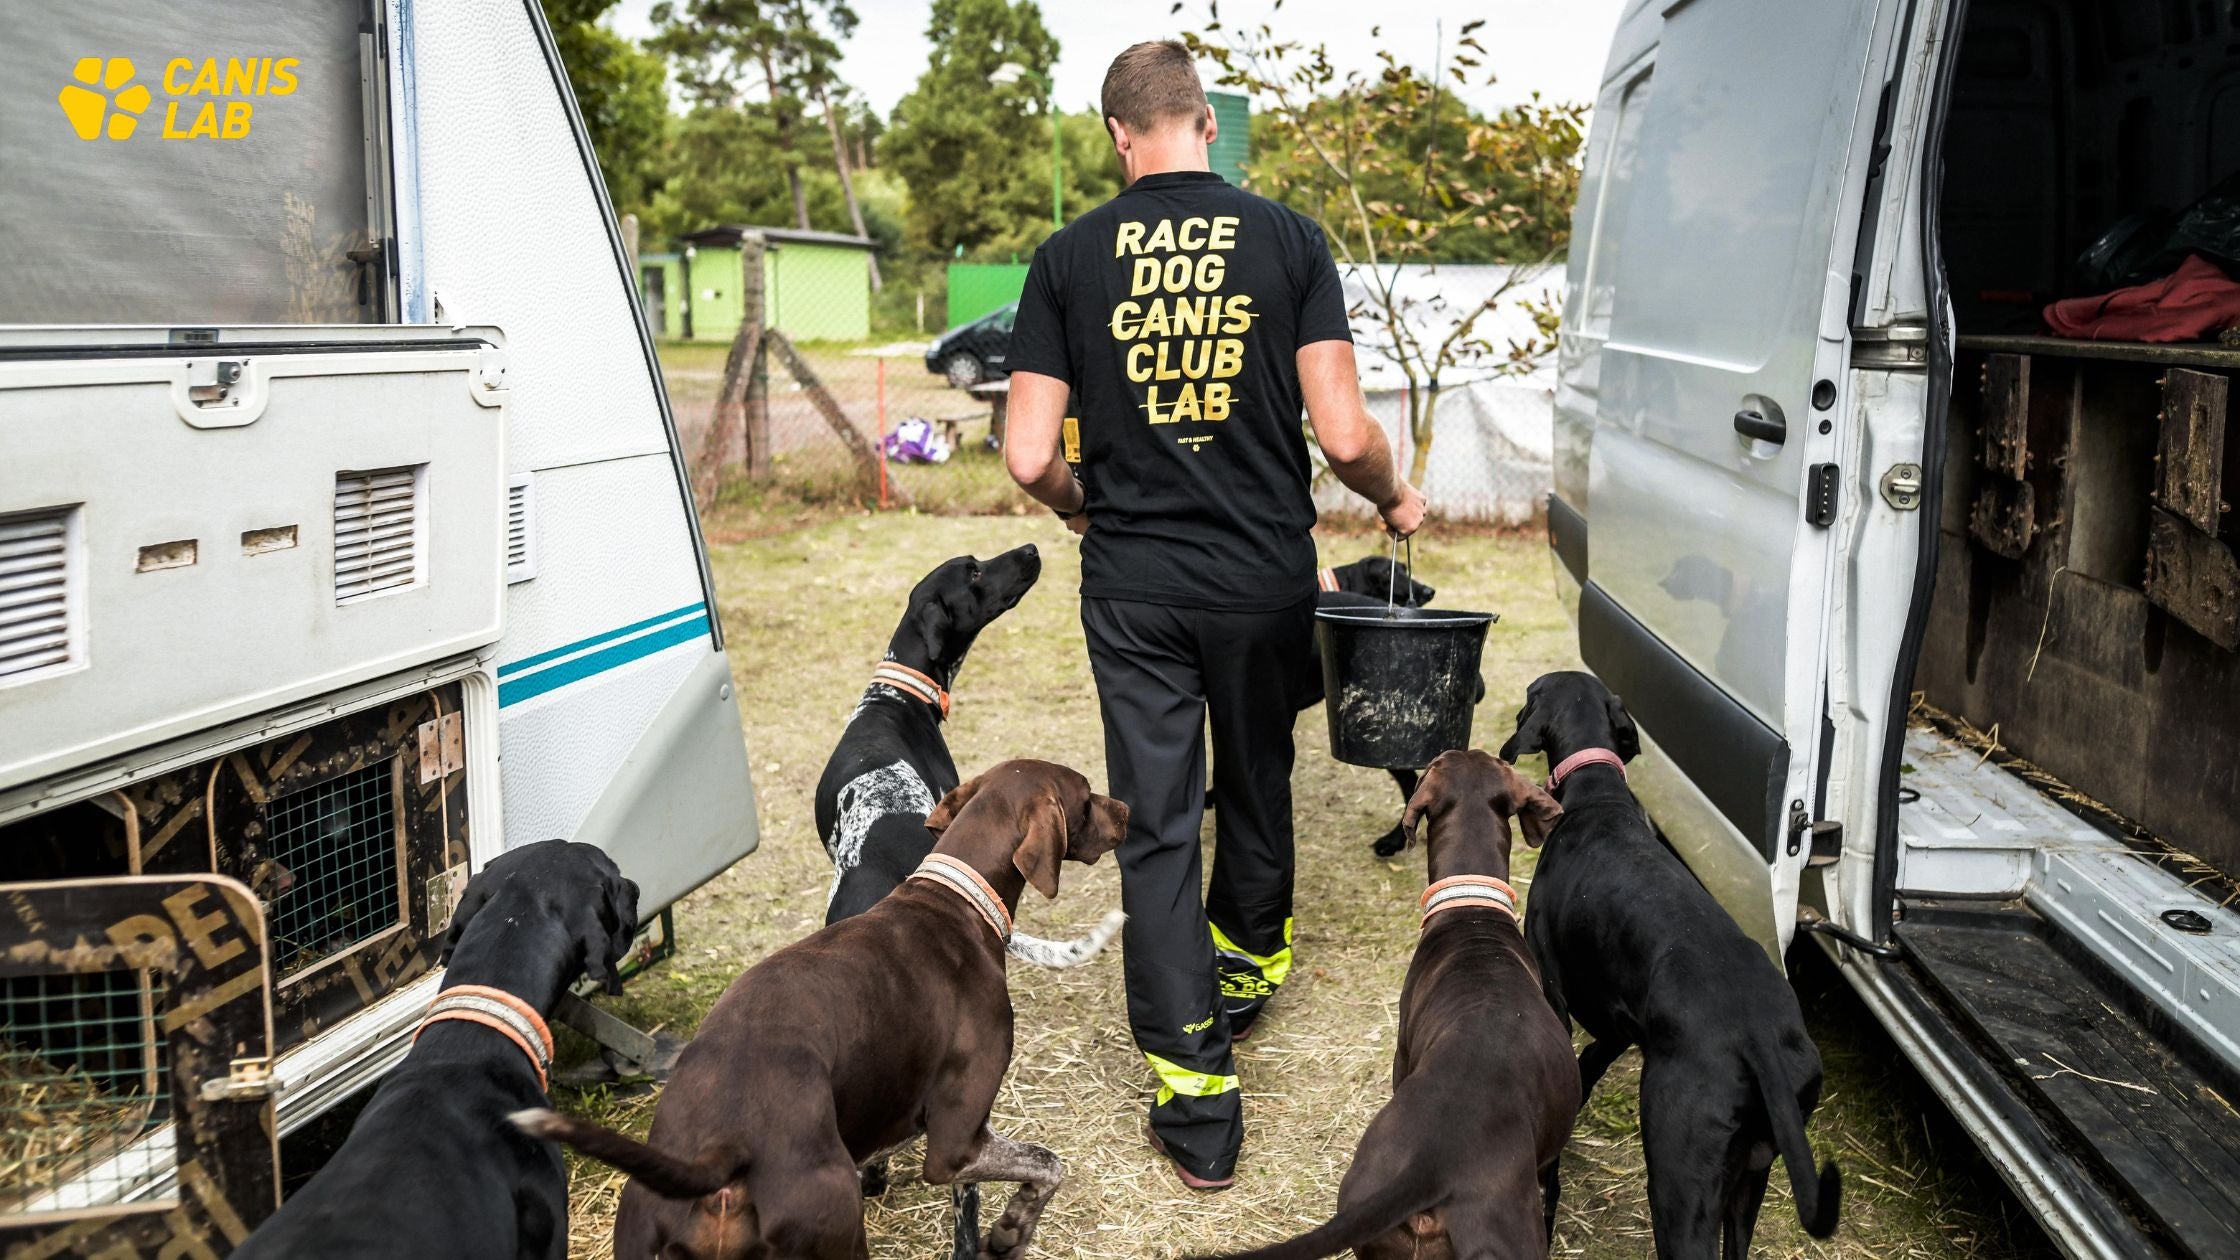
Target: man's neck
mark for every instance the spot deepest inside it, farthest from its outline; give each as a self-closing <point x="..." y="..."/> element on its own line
<point x="1167" y="153"/>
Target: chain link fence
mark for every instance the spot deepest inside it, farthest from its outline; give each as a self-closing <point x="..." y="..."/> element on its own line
<point x="868" y="423"/>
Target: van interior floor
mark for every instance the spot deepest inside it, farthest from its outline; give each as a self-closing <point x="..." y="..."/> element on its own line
<point x="2107" y="987"/>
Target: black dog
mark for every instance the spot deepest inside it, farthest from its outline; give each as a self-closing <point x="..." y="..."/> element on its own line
<point x="432" y="1168"/>
<point x="892" y="766"/>
<point x="1635" y="949"/>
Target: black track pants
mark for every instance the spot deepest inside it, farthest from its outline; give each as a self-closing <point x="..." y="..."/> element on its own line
<point x="1162" y="674"/>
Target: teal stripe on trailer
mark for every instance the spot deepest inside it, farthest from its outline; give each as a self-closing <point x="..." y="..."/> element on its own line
<point x="540" y="658"/>
<point x="599" y="662"/>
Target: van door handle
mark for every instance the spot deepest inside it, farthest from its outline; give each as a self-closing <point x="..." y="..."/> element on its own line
<point x="1752" y="423"/>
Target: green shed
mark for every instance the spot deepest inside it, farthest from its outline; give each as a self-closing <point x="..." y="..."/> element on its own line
<point x="1232" y="144"/>
<point x="816" y="286"/>
<point x="977" y="288"/>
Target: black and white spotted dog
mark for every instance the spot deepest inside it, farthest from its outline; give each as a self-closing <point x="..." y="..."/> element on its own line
<point x="892" y="763"/>
<point x="892" y="766"/>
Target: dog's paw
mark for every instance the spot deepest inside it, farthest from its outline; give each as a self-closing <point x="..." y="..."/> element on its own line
<point x="1390" y="843"/>
<point x="1004" y="1242"/>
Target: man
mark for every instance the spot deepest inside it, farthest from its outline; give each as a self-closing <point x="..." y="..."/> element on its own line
<point x="1191" y="322"/>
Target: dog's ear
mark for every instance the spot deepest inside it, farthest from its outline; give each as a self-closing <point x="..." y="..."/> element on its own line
<point x="1536" y="811"/>
<point x="1104" y="825"/>
<point x="1043" y="845"/>
<point x="1625" y="740"/>
<point x="1531" y="733"/>
<point x="946" y="812"/>
<point x="1428" y="790"/>
<point x="617" y="927"/>
<point x="477" y="896"/>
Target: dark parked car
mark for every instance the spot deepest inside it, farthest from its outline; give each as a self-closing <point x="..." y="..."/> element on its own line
<point x="971" y="353"/>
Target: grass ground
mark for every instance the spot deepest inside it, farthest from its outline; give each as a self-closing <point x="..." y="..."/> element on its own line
<point x="808" y="610"/>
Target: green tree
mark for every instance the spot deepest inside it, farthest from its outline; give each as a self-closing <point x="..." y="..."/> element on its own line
<point x="723" y="175"/>
<point x="1399" y="173"/>
<point x="965" y="146"/>
<point x="623" y="93"/>
<point x="791" y="45"/>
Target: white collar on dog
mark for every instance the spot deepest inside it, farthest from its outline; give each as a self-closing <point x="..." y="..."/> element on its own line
<point x="954" y="875"/>
<point x="912" y="683"/>
<point x="499" y="1011"/>
<point x="1468" y="890"/>
<point x="1327" y="580"/>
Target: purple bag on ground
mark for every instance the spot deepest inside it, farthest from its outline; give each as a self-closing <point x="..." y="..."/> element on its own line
<point x="916" y="441"/>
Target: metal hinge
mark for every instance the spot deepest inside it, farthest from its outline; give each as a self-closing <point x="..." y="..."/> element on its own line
<point x="443" y="747"/>
<point x="1901" y="486"/>
<point x="245" y="1081"/>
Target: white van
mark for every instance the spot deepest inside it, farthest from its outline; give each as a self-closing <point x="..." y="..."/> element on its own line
<point x="1833" y="513"/>
<point x="344" y="543"/>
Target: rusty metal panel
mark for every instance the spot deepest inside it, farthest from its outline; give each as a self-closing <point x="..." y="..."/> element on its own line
<point x="2004" y="518"/>
<point x="2189" y="466"/>
<point x="197" y="945"/>
<point x="2194" y="578"/>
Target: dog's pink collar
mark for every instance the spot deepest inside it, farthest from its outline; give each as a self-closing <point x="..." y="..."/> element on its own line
<point x="961" y="879"/>
<point x="1585" y="757"/>
<point x="1468" y="890"/>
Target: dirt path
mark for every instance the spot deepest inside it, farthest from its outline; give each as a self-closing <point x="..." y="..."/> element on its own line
<point x="807" y="614"/>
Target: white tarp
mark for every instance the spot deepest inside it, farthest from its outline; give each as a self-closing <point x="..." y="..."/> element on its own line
<point x="1492" y="433"/>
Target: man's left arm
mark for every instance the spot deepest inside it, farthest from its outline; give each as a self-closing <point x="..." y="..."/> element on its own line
<point x="1030" y="445"/>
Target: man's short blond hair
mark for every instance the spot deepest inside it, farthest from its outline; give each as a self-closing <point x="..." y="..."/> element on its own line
<point x="1152" y="84"/>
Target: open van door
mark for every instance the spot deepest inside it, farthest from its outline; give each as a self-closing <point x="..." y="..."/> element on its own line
<point x="1712" y="477"/>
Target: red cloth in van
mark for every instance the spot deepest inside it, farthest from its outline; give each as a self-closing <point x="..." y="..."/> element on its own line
<point x="2190" y="304"/>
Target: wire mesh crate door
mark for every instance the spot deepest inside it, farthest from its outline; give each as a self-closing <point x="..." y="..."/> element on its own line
<point x="82" y="1074"/>
<point x="339" y="848"/>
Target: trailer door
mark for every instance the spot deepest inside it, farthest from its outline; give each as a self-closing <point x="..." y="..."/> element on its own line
<point x="1712" y="476"/>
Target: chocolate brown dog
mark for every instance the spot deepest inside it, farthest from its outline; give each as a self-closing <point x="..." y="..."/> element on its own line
<point x="1483" y="1084"/>
<point x="841" y="1047"/>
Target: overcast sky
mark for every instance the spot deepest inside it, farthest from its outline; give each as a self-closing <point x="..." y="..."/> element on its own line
<point x="1554" y="47"/>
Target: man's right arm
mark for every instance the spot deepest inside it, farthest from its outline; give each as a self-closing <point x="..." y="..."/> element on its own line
<point x="1351" y="439"/>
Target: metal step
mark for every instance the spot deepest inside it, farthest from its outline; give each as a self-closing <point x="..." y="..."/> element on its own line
<point x="2115" y="1079"/>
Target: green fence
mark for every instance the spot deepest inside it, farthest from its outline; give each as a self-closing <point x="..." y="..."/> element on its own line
<point x="977" y="288"/>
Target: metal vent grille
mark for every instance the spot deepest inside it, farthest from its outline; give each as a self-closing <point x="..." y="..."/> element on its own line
<point x="35" y="604"/>
<point x="377" y="532"/>
<point x="337" y="848"/>
<point x="81" y="1074"/>
<point x="521" y="538"/>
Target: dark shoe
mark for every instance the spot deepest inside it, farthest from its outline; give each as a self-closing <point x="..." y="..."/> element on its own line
<point x="1207" y="1185"/>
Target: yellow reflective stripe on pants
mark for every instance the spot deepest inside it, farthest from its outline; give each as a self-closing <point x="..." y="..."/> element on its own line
<point x="1274" y="968"/>
<point x="1177" y="1079"/>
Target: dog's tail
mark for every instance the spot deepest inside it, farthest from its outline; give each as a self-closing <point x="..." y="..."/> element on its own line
<point x="1057" y="955"/>
<point x="665" y="1175"/>
<point x="1819" y="1195"/>
<point x="1383" y="1211"/>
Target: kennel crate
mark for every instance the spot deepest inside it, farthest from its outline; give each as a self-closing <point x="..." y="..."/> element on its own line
<point x="138" y="1010"/>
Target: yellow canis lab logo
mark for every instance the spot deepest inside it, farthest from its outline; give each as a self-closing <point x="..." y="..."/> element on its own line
<point x="209" y="97"/>
<point x="86" y="106"/>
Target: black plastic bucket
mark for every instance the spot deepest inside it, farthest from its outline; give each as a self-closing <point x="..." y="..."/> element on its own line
<point x="1399" y="684"/>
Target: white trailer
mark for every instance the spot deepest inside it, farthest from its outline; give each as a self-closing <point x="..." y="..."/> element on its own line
<point x="344" y="543"/>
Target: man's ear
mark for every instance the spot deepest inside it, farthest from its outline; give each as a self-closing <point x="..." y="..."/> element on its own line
<point x="1104" y="825"/>
<point x="946" y="812"/>
<point x="1625" y="739"/>
<point x="1531" y="733"/>
<point x="1043" y="845"/>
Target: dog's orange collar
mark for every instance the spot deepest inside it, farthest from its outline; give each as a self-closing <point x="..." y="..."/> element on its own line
<point x="501" y="1012"/>
<point x="1327" y="580"/>
<point x="912" y="682"/>
<point x="1468" y="890"/>
<point x="947" y="872"/>
<point x="1581" y="758"/>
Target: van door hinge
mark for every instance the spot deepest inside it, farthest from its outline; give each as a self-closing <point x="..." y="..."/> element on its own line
<point x="443" y="747"/>
<point x="1820" y="496"/>
<point x="1901" y="486"/>
<point x="245" y="1081"/>
<point x="1799" y="823"/>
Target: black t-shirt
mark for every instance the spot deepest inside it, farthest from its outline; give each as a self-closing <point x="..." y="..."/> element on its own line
<point x="1175" y="311"/>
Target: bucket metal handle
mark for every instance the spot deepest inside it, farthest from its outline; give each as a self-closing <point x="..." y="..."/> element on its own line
<point x="1392" y="577"/>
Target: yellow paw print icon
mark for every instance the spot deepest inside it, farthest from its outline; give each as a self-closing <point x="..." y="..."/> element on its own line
<point x="85" y="107"/>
